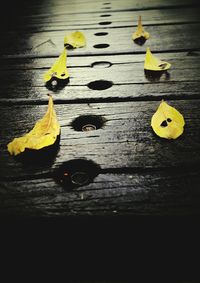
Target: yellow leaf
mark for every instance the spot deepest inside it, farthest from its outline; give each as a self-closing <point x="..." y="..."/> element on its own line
<point x="59" y="69"/>
<point x="43" y="134"/>
<point x="75" y="40"/>
<point x="152" y="63"/>
<point x="167" y="122"/>
<point x="140" y="32"/>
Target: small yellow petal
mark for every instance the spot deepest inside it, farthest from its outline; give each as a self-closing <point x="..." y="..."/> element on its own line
<point x="152" y="63"/>
<point x="140" y="32"/>
<point x="75" y="40"/>
<point x="59" y="69"/>
<point x="44" y="133"/>
<point x="167" y="122"/>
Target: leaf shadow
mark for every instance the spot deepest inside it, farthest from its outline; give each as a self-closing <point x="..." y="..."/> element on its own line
<point x="37" y="160"/>
<point x="155" y="76"/>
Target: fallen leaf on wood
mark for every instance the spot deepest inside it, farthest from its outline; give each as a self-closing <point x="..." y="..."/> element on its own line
<point x="75" y="40"/>
<point x="140" y="35"/>
<point x="59" y="69"/>
<point x="167" y="122"/>
<point x="44" y="133"/>
<point x="152" y="63"/>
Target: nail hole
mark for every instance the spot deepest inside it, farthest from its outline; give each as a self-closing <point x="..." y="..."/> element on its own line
<point x="105" y="23"/>
<point x="101" y="64"/>
<point x="169" y="120"/>
<point x="101" y="33"/>
<point x="100" y="85"/>
<point x="164" y="124"/>
<point x="86" y="123"/>
<point x="107" y="15"/>
<point x="55" y="84"/>
<point x="140" y="41"/>
<point x="103" y="45"/>
<point x="76" y="173"/>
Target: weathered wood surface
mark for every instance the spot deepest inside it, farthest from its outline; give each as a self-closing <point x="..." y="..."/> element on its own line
<point x="42" y="9"/>
<point x="126" y="72"/>
<point x="139" y="172"/>
<point x="125" y="141"/>
<point x="164" y="38"/>
<point x="154" y="193"/>
<point x="105" y="19"/>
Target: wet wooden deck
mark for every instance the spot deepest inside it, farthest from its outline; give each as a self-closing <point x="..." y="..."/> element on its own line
<point x="138" y="173"/>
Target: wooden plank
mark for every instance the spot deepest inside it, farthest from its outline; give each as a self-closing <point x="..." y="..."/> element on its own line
<point x="110" y="18"/>
<point x="126" y="140"/>
<point x="60" y="8"/>
<point x="118" y="40"/>
<point x="126" y="73"/>
<point x="79" y="94"/>
<point x="189" y="58"/>
<point x="155" y="193"/>
<point x="183" y="69"/>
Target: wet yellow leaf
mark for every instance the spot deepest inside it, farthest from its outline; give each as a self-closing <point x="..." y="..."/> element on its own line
<point x="75" y="40"/>
<point x="152" y="63"/>
<point x="44" y="133"/>
<point x="140" y="32"/>
<point x="59" y="69"/>
<point x="167" y="122"/>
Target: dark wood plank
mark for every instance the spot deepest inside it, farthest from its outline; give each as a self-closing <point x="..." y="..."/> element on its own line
<point x="79" y="94"/>
<point x="98" y="20"/>
<point x="126" y="140"/>
<point x="119" y="41"/>
<point x="60" y="8"/>
<point x="126" y="73"/>
<point x="155" y="193"/>
<point x="184" y="68"/>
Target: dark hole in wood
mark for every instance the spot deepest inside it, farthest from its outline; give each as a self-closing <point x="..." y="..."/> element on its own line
<point x="106" y="15"/>
<point x="140" y="41"/>
<point x="164" y="124"/>
<point x="106" y="8"/>
<point x="169" y="120"/>
<point x="88" y="123"/>
<point x="76" y="173"/>
<point x="100" y="85"/>
<point x="101" y="64"/>
<point x="105" y="23"/>
<point x="55" y="84"/>
<point x="101" y="33"/>
<point x="103" y="45"/>
<point x="106" y="3"/>
<point x="68" y="46"/>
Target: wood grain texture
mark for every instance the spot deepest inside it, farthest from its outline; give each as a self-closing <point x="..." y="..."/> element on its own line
<point x="126" y="72"/>
<point x="163" y="38"/>
<point x="125" y="141"/>
<point x="140" y="173"/>
<point x="67" y="21"/>
<point x="155" y="193"/>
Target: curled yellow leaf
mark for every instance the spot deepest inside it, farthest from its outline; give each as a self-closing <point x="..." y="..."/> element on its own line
<point x="59" y="69"/>
<point x="44" y="133"/>
<point x="167" y="122"/>
<point x="75" y="40"/>
<point x="152" y="63"/>
<point x="140" y="33"/>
